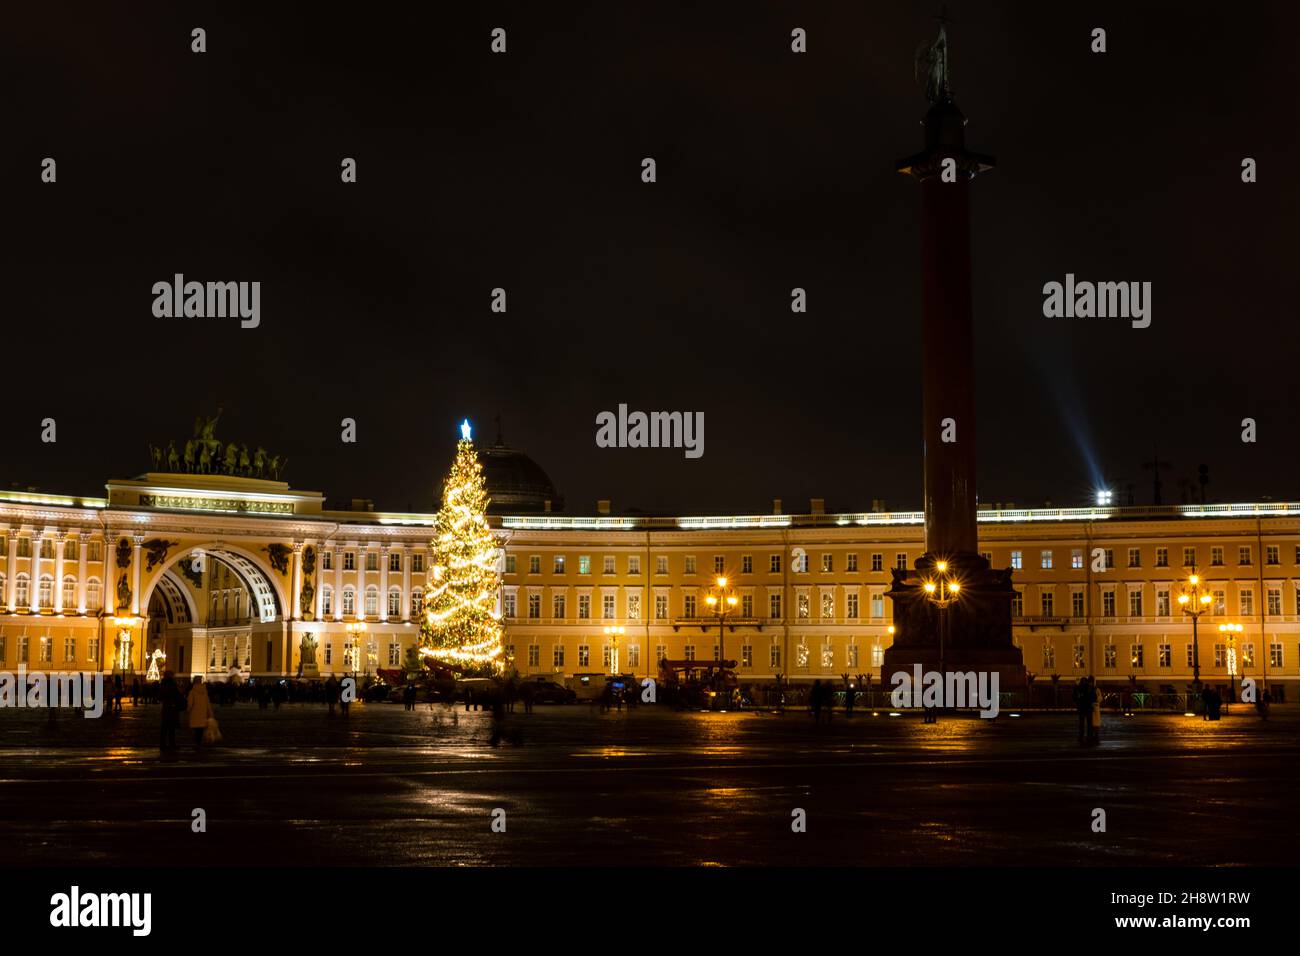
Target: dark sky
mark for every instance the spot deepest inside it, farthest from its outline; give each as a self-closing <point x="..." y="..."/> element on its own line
<point x="523" y="171"/>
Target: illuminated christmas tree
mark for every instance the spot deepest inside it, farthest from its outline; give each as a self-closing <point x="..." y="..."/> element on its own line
<point x="461" y="627"/>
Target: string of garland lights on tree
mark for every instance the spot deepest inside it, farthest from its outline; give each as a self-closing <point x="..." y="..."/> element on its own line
<point x="461" y="627"/>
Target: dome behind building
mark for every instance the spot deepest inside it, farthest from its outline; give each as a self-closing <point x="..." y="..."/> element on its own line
<point x="516" y="484"/>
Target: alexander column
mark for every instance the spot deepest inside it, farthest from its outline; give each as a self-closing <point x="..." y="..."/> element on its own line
<point x="953" y="611"/>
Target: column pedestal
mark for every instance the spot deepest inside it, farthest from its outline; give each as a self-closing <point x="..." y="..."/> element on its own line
<point x="976" y="628"/>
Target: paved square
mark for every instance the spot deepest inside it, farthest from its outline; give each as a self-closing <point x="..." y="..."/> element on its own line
<point x="647" y="787"/>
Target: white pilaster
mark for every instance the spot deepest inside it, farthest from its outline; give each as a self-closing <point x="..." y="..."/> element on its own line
<point x="338" y="584"/>
<point x="11" y="571"/>
<point x="406" y="583"/>
<point x="296" y="578"/>
<point x="135" y="575"/>
<point x="59" y="539"/>
<point x="83" y="540"/>
<point x="34" y="585"/>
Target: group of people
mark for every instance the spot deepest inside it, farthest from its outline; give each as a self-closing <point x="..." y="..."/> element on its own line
<point x="1087" y="702"/>
<point x="194" y="707"/>
<point x="337" y="694"/>
<point x="821" y="697"/>
<point x="1211" y="703"/>
<point x="612" y="697"/>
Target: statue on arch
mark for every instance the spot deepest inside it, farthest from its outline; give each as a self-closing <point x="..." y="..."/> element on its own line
<point x="155" y="550"/>
<point x="205" y="428"/>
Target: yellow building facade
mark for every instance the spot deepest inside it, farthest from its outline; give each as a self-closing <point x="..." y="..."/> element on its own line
<point x="230" y="576"/>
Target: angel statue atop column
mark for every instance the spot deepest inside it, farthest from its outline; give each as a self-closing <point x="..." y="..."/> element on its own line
<point x="932" y="66"/>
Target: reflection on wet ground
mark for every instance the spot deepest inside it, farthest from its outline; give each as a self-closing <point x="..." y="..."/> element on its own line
<point x="388" y="786"/>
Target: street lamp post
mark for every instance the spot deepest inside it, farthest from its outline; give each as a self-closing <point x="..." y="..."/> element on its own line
<point x="892" y="632"/>
<point x="1195" y="600"/>
<point x="941" y="591"/>
<point x="124" y="650"/>
<point x="357" y="629"/>
<point x="613" y="633"/>
<point x="722" y="601"/>
<point x="1231" y="631"/>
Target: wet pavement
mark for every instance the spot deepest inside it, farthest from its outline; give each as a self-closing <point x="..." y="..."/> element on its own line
<point x="647" y="787"/>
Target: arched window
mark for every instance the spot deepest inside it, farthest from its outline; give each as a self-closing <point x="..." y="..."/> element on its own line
<point x="349" y="601"/>
<point x="372" y="601"/>
<point x="417" y="602"/>
<point x="394" y="602"/>
<point x="326" y="600"/>
<point x="69" y="592"/>
<point x="22" y="595"/>
<point x="94" y="599"/>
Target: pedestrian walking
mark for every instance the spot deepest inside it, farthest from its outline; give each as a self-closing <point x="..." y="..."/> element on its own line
<point x="850" y="695"/>
<point x="1083" y="706"/>
<point x="498" y="716"/>
<point x="198" y="711"/>
<point x="332" y="693"/>
<point x="1261" y="704"/>
<point x="1094" y="724"/>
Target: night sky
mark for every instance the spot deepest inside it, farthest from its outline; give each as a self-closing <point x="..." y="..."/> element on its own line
<point x="522" y="170"/>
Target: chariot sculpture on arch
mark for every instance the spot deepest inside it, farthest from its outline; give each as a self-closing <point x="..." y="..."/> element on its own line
<point x="204" y="454"/>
